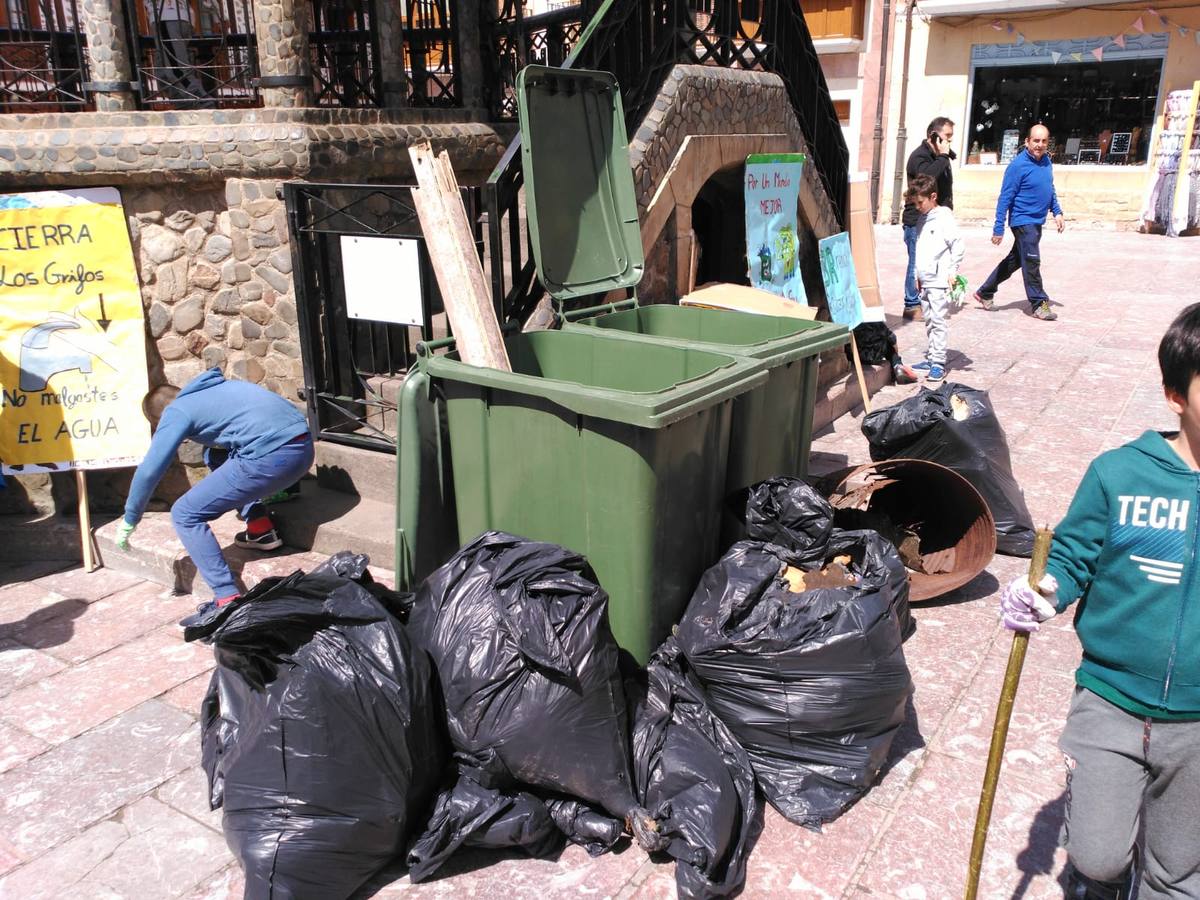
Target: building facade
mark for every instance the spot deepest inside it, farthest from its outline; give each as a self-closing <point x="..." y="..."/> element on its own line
<point x="1096" y="74"/>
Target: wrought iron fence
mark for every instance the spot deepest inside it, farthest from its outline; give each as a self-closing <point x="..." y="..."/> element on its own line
<point x="640" y="41"/>
<point x="431" y="59"/>
<point x="42" y="63"/>
<point x="193" y="54"/>
<point x="516" y="40"/>
<point x="344" y="50"/>
<point x="348" y="360"/>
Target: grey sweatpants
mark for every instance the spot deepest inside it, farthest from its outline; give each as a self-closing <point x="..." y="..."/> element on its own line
<point x="935" y="310"/>
<point x="1124" y="772"/>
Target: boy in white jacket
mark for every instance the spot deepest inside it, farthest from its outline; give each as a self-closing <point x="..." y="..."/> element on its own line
<point x="939" y="256"/>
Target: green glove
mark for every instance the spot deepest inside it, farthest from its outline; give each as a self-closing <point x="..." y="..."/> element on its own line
<point x="124" y="530"/>
<point x="958" y="287"/>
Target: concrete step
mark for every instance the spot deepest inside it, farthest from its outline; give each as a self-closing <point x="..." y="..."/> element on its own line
<point x="370" y="474"/>
<point x="842" y="394"/>
<point x="39" y="536"/>
<point x="327" y="521"/>
<point x="318" y="524"/>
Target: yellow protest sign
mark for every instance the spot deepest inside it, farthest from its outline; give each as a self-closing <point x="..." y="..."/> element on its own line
<point x="72" y="338"/>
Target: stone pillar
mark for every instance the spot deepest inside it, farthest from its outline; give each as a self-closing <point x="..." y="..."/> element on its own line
<point x="391" y="54"/>
<point x="281" y="28"/>
<point x="470" y="53"/>
<point x="109" y="69"/>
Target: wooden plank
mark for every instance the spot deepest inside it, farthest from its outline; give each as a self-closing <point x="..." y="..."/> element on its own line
<point x="455" y="262"/>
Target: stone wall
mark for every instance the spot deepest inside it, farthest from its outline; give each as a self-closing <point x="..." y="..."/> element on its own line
<point x="202" y="193"/>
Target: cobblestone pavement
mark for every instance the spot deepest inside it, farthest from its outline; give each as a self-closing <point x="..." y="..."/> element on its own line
<point x="101" y="794"/>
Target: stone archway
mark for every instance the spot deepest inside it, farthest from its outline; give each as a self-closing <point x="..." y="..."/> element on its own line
<point x="668" y="236"/>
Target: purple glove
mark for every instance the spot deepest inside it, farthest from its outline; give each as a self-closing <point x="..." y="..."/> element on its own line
<point x="1022" y="608"/>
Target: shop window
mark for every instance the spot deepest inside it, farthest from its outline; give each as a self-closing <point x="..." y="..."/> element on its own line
<point x="1097" y="112"/>
<point x="834" y="18"/>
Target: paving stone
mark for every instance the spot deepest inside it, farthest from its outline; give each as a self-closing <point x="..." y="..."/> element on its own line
<point x="149" y="850"/>
<point x="67" y="704"/>
<point x="20" y="666"/>
<point x="23" y="605"/>
<point x="108" y="623"/>
<point x="29" y="571"/>
<point x="187" y="793"/>
<point x="228" y="884"/>
<point x="188" y="696"/>
<point x="16" y="746"/>
<point x="925" y="850"/>
<point x="79" y="584"/>
<point x="55" y="796"/>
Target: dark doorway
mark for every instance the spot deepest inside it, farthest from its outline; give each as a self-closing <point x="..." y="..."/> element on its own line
<point x="718" y="218"/>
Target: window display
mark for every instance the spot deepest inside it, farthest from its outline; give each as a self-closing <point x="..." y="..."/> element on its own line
<point x="1098" y="113"/>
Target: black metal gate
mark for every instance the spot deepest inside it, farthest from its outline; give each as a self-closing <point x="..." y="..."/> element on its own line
<point x="352" y="366"/>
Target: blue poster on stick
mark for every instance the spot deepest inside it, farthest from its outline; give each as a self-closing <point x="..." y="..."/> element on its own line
<point x="772" y="249"/>
<point x="841" y="285"/>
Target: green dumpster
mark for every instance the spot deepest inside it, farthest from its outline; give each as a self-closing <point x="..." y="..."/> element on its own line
<point x="772" y="425"/>
<point x="583" y="227"/>
<point x="614" y="448"/>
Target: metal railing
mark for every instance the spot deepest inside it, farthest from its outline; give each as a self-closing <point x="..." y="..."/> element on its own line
<point x="641" y="41"/>
<point x="516" y="40"/>
<point x="189" y="54"/>
<point x="42" y="63"/>
<point x="431" y="58"/>
<point x="349" y="361"/>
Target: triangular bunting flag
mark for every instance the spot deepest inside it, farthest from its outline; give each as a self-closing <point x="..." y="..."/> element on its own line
<point x="1183" y="31"/>
<point x="1098" y="53"/>
<point x="1010" y="27"/>
<point x="1056" y="56"/>
<point x="1164" y="21"/>
<point x="998" y="25"/>
<point x="1138" y="26"/>
<point x="1078" y="57"/>
<point x="1119" y="40"/>
<point x="1196" y="34"/>
<point x="1020" y="39"/>
<point x="1152" y="10"/>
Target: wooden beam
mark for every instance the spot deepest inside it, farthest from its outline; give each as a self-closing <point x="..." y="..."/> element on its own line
<point x="455" y="262"/>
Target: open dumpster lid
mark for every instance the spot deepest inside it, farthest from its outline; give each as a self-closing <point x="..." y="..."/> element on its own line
<point x="579" y="197"/>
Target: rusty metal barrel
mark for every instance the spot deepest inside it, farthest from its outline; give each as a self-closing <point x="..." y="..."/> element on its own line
<point x="940" y="523"/>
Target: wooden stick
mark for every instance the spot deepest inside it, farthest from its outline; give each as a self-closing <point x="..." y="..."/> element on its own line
<point x="858" y="370"/>
<point x="455" y="262"/>
<point x="85" y="523"/>
<point x="692" y="263"/>
<point x="1008" y="694"/>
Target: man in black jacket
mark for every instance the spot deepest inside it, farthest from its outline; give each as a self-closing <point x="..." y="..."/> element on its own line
<point x="932" y="158"/>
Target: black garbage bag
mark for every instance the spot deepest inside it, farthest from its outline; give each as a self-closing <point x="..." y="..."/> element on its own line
<point x="924" y="427"/>
<point x="876" y="344"/>
<point x="518" y="633"/>
<point x="813" y="685"/>
<point x="470" y="815"/>
<point x="789" y="513"/>
<point x="694" y="779"/>
<point x="321" y="732"/>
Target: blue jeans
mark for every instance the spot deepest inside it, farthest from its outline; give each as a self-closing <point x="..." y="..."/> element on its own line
<point x="237" y="483"/>
<point x="911" y="297"/>
<point x="1026" y="256"/>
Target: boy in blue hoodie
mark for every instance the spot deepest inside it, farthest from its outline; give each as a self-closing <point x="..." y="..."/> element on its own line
<point x="269" y="448"/>
<point x="1127" y="551"/>
<point x="1025" y="195"/>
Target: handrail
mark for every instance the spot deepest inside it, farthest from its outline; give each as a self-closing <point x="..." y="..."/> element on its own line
<point x="641" y="41"/>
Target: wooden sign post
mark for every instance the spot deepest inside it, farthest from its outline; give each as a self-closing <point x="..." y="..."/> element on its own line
<point x="843" y="296"/>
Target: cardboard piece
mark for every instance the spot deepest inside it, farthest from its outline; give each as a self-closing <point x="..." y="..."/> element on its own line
<point x="862" y="243"/>
<point x="741" y="298"/>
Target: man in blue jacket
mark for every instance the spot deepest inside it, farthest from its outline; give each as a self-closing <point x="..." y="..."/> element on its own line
<point x="1025" y="195"/>
<point x="269" y="448"/>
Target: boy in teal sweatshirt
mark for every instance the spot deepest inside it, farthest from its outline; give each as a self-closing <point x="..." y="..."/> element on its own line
<point x="1126" y="551"/>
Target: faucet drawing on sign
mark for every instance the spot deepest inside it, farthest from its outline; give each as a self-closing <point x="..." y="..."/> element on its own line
<point x="62" y="343"/>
